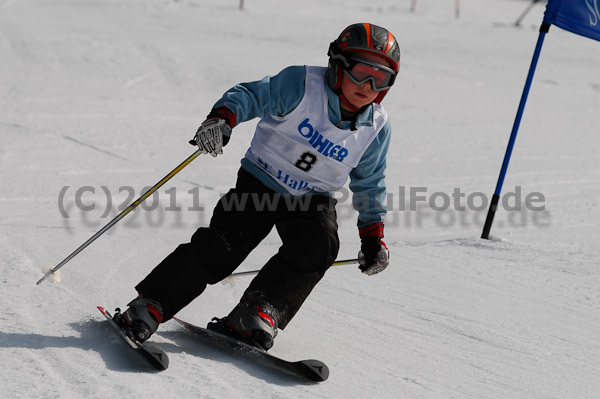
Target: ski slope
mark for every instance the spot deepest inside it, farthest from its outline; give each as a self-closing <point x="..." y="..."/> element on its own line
<point x="98" y="100"/>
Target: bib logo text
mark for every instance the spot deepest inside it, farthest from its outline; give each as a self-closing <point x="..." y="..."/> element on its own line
<point x="320" y="143"/>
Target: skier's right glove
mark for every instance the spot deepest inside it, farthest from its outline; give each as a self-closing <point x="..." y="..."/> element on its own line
<point x="374" y="255"/>
<point x="215" y="131"/>
<point x="211" y="136"/>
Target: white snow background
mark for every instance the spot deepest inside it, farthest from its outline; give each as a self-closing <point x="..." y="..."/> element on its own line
<point x="107" y="93"/>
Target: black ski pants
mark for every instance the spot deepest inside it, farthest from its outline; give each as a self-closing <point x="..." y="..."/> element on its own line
<point x="241" y="220"/>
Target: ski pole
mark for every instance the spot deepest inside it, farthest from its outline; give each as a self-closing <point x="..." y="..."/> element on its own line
<point x="336" y="263"/>
<point x="524" y="14"/>
<point x="121" y="215"/>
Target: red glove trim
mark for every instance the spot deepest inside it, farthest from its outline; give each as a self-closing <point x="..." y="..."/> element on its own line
<point x="374" y="230"/>
<point x="223" y="113"/>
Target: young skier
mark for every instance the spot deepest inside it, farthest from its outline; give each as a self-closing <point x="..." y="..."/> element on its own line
<point x="318" y="127"/>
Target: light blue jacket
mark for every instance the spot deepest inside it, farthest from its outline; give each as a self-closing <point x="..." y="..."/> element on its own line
<point x="279" y="95"/>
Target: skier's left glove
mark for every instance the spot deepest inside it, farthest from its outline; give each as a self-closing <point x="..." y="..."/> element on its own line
<point x="374" y="255"/>
<point x="212" y="135"/>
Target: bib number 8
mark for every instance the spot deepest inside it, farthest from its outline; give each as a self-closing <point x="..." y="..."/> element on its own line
<point x="306" y="161"/>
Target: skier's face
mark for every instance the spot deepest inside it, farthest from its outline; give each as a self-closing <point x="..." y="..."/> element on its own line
<point x="361" y="95"/>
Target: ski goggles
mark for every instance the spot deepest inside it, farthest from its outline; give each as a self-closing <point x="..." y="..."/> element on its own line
<point x="361" y="71"/>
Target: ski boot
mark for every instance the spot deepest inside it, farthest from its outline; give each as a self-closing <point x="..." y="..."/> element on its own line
<point x="141" y="319"/>
<point x="253" y="321"/>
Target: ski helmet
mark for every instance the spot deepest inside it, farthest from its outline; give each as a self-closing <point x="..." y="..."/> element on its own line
<point x="357" y="38"/>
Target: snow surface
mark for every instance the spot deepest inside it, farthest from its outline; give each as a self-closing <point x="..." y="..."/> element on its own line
<point x="106" y="94"/>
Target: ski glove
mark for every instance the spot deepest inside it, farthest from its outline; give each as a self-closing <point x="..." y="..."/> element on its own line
<point x="374" y="255"/>
<point x="212" y="135"/>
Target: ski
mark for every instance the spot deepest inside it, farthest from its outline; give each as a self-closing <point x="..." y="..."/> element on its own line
<point x="152" y="354"/>
<point x="313" y="370"/>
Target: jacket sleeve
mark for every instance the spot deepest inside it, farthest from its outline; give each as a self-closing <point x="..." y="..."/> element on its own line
<point x="273" y="95"/>
<point x="367" y="180"/>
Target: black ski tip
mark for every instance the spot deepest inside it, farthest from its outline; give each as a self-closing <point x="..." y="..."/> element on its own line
<point x="314" y="370"/>
<point x="156" y="356"/>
